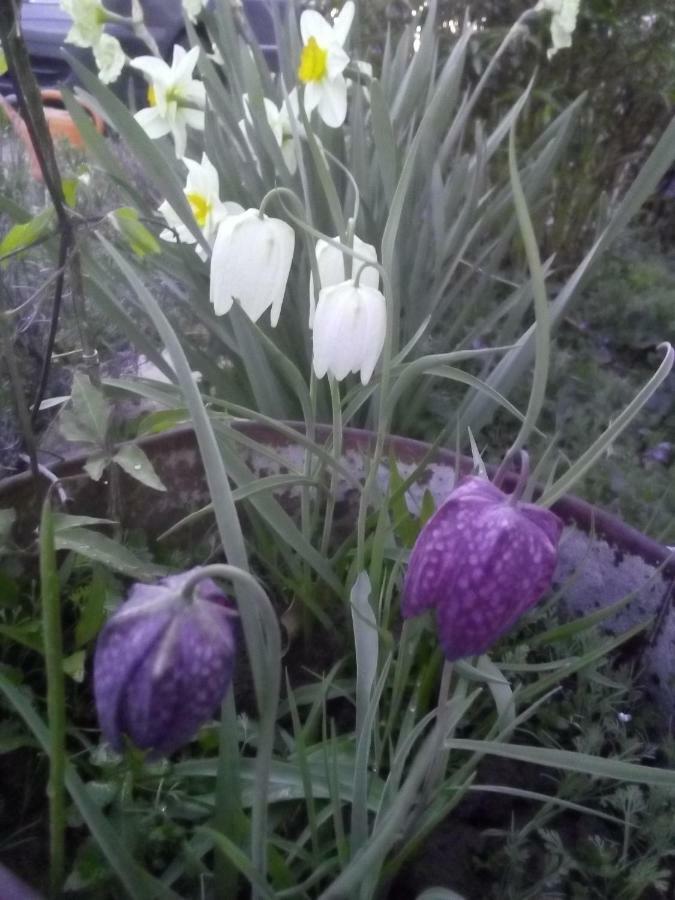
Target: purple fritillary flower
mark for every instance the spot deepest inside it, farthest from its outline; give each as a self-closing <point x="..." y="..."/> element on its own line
<point x="163" y="664"/>
<point x="480" y="561"/>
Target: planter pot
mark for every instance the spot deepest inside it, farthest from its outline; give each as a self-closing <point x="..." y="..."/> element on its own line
<point x="601" y="559"/>
<point x="59" y="122"/>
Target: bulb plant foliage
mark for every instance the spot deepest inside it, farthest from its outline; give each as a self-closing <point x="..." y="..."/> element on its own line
<point x="365" y="211"/>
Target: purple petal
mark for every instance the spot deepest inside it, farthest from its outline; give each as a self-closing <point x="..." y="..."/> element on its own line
<point x="435" y="561"/>
<point x="167" y="700"/>
<point x="507" y="569"/>
<point x="163" y="664"/>
<point x="120" y="650"/>
<point x="481" y="561"/>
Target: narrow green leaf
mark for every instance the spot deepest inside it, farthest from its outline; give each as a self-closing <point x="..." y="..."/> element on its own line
<point x="571" y="761"/>
<point x="100" y="548"/>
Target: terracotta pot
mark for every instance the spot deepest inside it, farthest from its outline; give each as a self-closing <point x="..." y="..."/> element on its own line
<point x="601" y="558"/>
<point x="59" y="122"/>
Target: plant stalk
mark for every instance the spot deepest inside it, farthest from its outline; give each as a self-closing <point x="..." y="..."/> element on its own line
<point x="56" y="707"/>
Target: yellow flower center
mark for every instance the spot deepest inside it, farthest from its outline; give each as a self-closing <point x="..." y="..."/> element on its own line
<point x="313" y="62"/>
<point x="173" y="94"/>
<point x="200" y="207"/>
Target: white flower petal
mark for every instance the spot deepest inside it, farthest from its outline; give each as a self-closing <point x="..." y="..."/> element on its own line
<point x="374" y="330"/>
<point x="195" y="118"/>
<point x="109" y="58"/>
<point x="312" y="96"/>
<point x="331" y="264"/>
<point x="193" y="9"/>
<point x="251" y="263"/>
<point x="349" y="330"/>
<point x="194" y="93"/>
<point x="326" y="325"/>
<point x="156" y="69"/>
<point x="184" y="67"/>
<point x="313" y="25"/>
<point x="152" y="122"/>
<point x="232" y="208"/>
<point x="336" y="61"/>
<point x="332" y="105"/>
<point x="179" y="132"/>
<point x="179" y="53"/>
<point x="290" y="155"/>
<point x="342" y="23"/>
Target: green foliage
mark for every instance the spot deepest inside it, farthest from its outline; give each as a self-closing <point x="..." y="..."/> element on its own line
<point x="24" y="235"/>
<point x="621" y="59"/>
<point x="140" y="239"/>
<point x="603" y="352"/>
<point x="330" y="788"/>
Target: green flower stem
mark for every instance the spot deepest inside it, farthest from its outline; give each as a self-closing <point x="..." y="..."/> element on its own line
<point x="382" y="423"/>
<point x="228" y="816"/>
<point x="56" y="707"/>
<point x="268" y="651"/>
<point x="337" y="451"/>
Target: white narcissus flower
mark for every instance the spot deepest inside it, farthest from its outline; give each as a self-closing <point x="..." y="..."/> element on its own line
<point x="350" y="325"/>
<point x="176" y="99"/>
<point x="330" y="262"/>
<point x="563" y="23"/>
<point x="89" y="17"/>
<point x="109" y="58"/>
<point x="202" y="190"/>
<point x="193" y="9"/>
<point x="279" y="121"/>
<point x="287" y="113"/>
<point x="250" y="263"/>
<point x="322" y="62"/>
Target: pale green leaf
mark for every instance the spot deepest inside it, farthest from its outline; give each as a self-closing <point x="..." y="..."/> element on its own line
<point x="135" y="463"/>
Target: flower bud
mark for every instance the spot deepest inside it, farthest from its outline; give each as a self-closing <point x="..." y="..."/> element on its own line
<point x="480" y="561"/>
<point x="163" y="664"/>
<point x="330" y="262"/>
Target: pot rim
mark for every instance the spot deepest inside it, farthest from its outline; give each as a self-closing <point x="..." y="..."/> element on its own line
<point x="571" y="509"/>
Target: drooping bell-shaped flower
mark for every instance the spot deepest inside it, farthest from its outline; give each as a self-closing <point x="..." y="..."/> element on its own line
<point x="250" y="263"/>
<point x="350" y="325"/>
<point x="330" y="262"/>
<point x="480" y="562"/>
<point x="163" y="664"/>
<point x="279" y="121"/>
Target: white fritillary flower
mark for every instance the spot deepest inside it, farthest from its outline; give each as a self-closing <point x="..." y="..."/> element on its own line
<point x="330" y="261"/>
<point x="350" y="325"/>
<point x="250" y="263"/>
